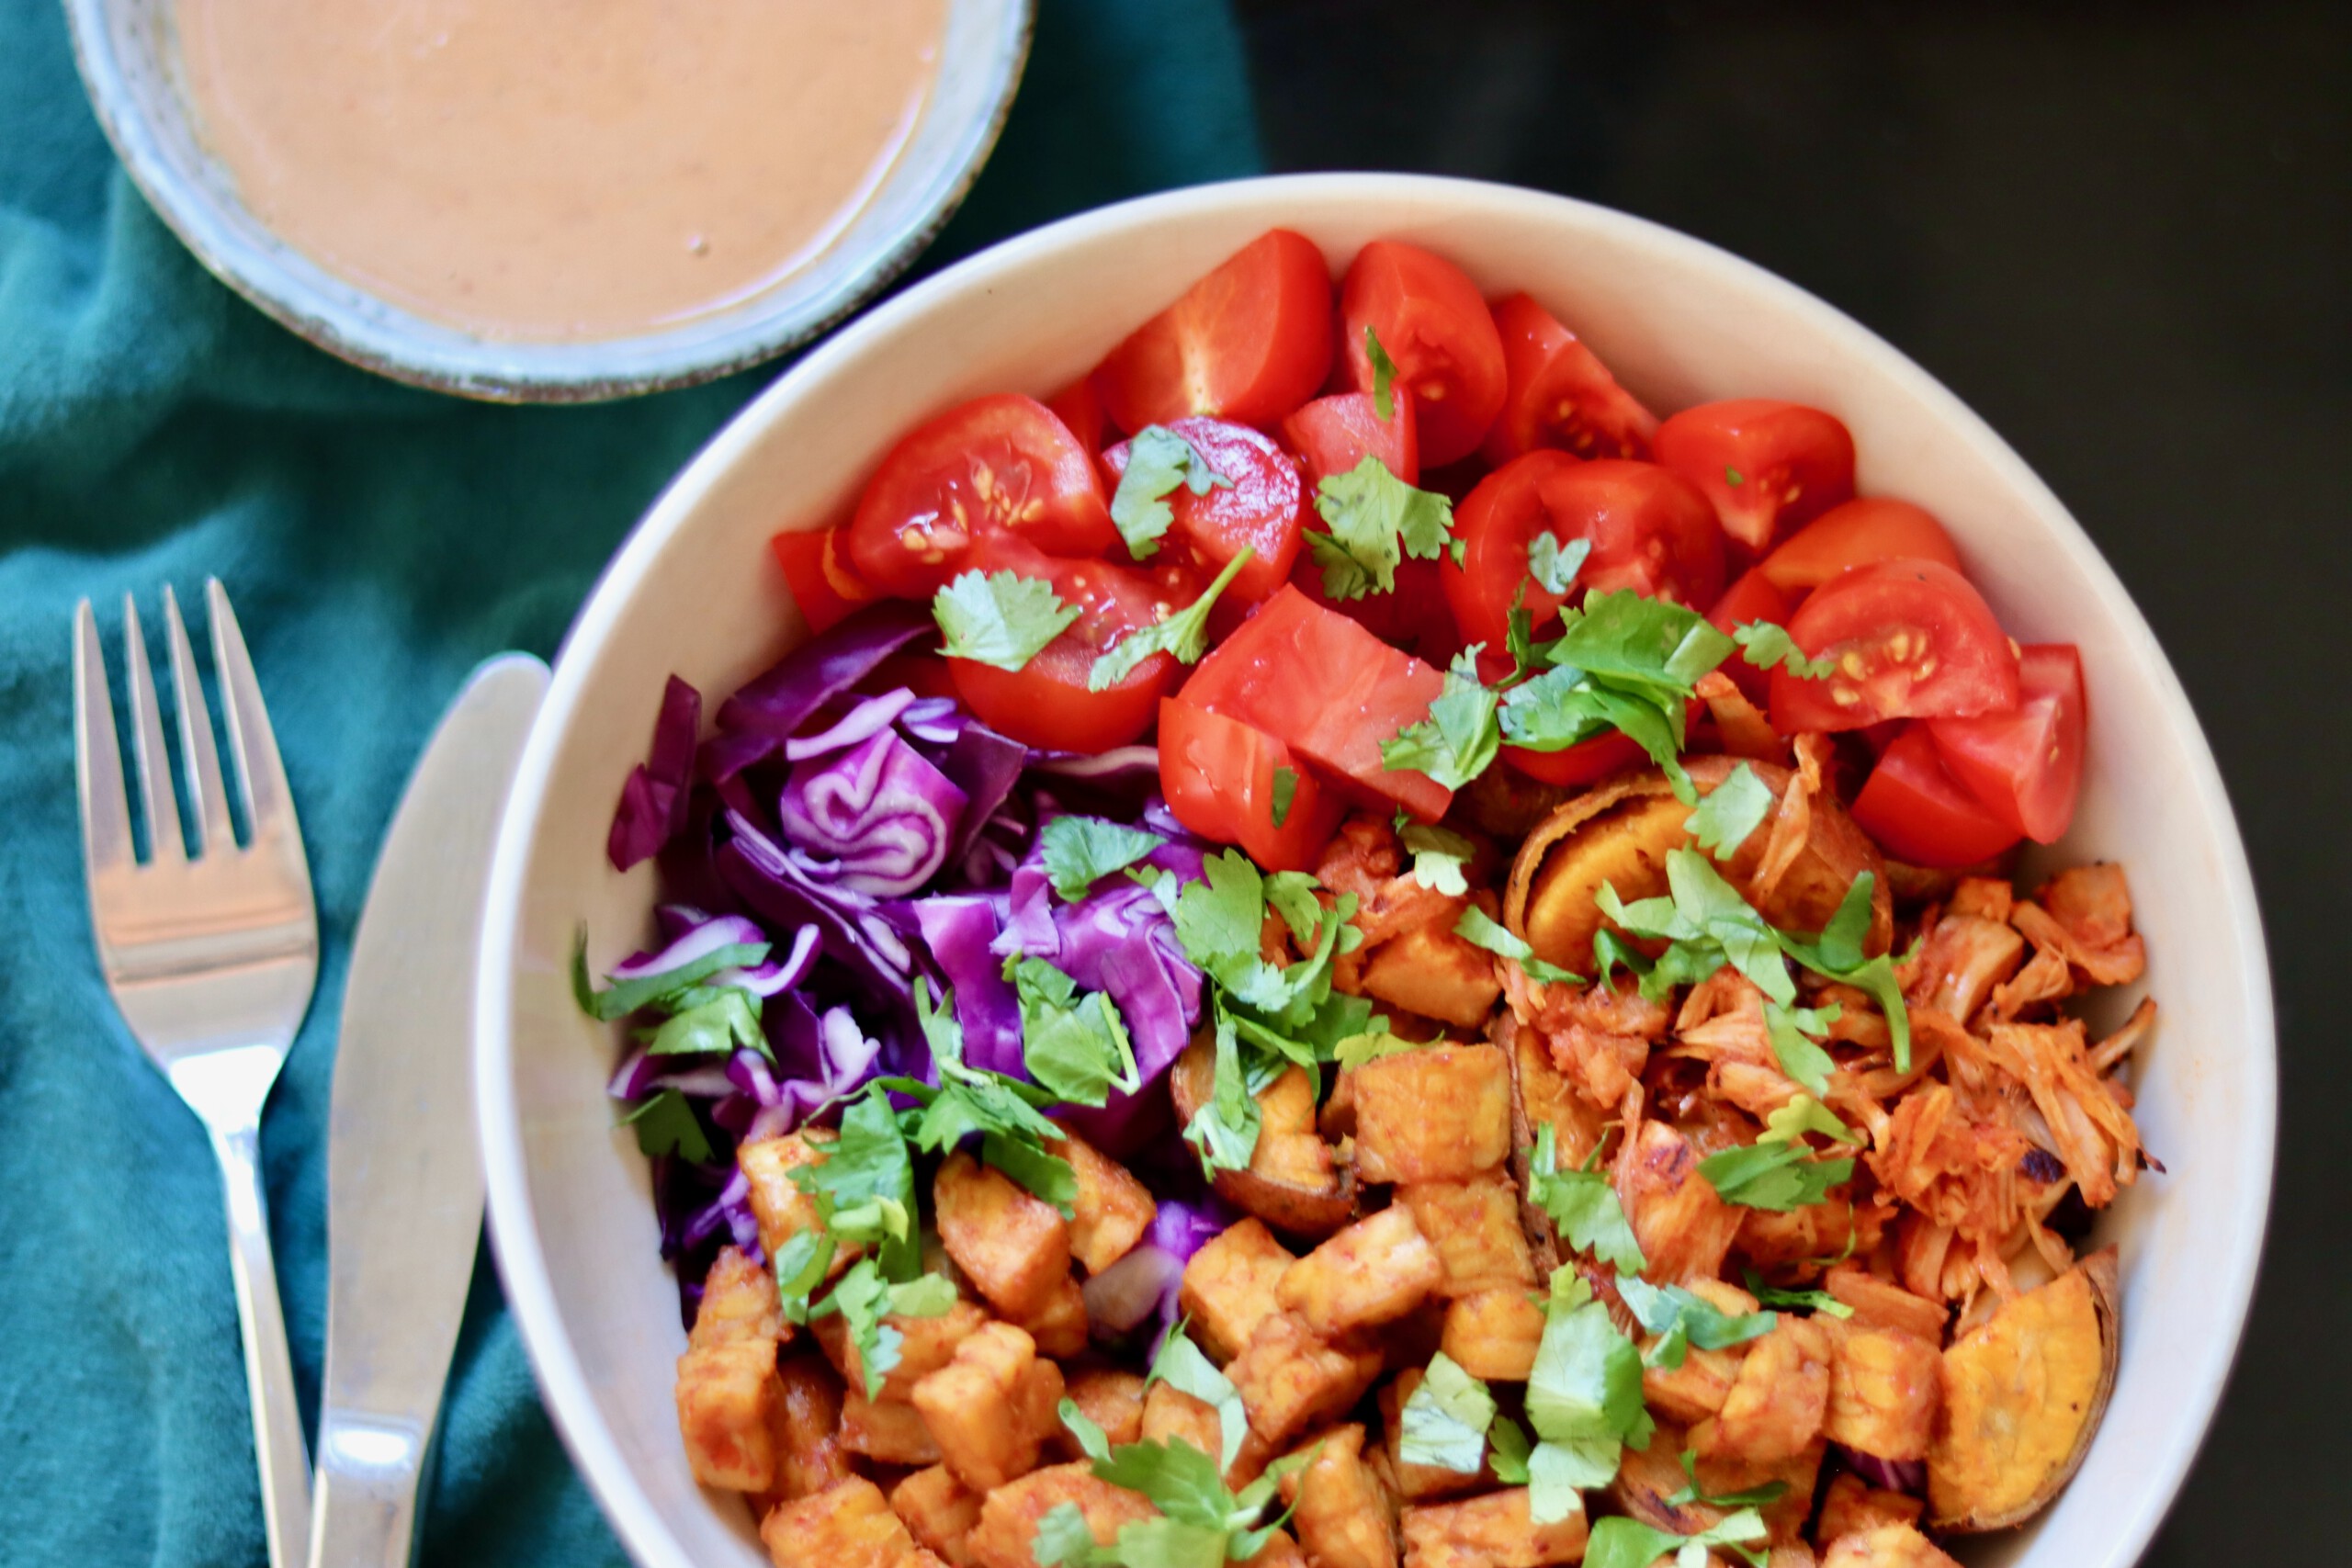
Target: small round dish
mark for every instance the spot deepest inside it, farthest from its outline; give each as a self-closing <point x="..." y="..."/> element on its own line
<point x="130" y="62"/>
<point x="1680" y="322"/>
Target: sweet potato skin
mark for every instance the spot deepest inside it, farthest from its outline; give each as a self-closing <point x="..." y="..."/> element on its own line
<point x="1293" y="1183"/>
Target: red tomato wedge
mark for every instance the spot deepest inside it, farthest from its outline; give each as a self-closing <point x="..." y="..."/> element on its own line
<point x="1752" y="598"/>
<point x="1919" y="812"/>
<point x="1329" y="690"/>
<point x="1045" y="702"/>
<point x="1581" y="763"/>
<point x="1856" y="533"/>
<point x="1414" y="617"/>
<point x="1559" y="394"/>
<point x="2025" y="767"/>
<point x="1333" y="435"/>
<point x="1909" y="640"/>
<point x="823" y="583"/>
<point x="1076" y="407"/>
<point x="1222" y="779"/>
<point x="1768" y="466"/>
<point x="1249" y="341"/>
<point x="1650" y="531"/>
<point x="1434" y="325"/>
<point x="998" y="464"/>
<point x="1260" y="509"/>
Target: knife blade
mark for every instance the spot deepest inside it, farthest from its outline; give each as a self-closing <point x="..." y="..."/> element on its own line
<point x="404" y="1187"/>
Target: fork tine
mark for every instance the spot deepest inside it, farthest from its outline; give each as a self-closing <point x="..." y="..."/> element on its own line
<point x="165" y="845"/>
<point x="98" y="756"/>
<point x="205" y="796"/>
<point x="261" y="777"/>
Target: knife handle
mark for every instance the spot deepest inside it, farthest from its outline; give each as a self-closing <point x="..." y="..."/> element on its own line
<point x="364" y="1513"/>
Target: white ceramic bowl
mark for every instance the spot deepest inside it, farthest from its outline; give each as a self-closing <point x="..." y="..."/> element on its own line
<point x="129" y="54"/>
<point x="1680" y="322"/>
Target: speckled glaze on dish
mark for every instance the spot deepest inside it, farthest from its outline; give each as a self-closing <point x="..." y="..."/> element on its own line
<point x="129" y="63"/>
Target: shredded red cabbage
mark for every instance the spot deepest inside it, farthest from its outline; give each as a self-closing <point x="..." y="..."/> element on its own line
<point x="655" y="796"/>
<point x="885" y="817"/>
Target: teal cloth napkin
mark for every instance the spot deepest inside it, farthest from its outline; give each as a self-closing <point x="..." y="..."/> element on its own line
<point x="377" y="542"/>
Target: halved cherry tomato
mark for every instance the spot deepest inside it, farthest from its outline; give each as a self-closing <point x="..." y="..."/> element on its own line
<point x="1560" y="394"/>
<point x="1856" y="533"/>
<point x="1650" y="531"/>
<point x="1413" y="617"/>
<point x="1260" y="508"/>
<point x="1920" y="813"/>
<point x="1328" y="688"/>
<point x="1249" y="341"/>
<point x="1768" y="466"/>
<point x="2025" y="767"/>
<point x="1434" y="325"/>
<point x="1752" y="598"/>
<point x="1581" y="763"/>
<point x="1002" y="463"/>
<point x="1219" y="776"/>
<point x="1333" y="435"/>
<point x="924" y="675"/>
<point x="1077" y="406"/>
<point x="1045" y="703"/>
<point x="1909" y="640"/>
<point x="823" y="583"/>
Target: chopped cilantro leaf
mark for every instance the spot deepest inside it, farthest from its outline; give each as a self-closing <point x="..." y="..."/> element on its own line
<point x="1182" y="1367"/>
<point x="1285" y="791"/>
<point x="1201" y="1524"/>
<point x="1731" y="476"/>
<point x="666" y="1125"/>
<point x="1158" y="461"/>
<point x="999" y="618"/>
<point x="730" y="1018"/>
<point x="1183" y="635"/>
<point x="1682" y="1320"/>
<point x="1620" y="1542"/>
<point x="1081" y="851"/>
<point x="1445" y="1419"/>
<point x="862" y="1298"/>
<point x="1554" y="565"/>
<point x="1837" y="955"/>
<point x="1731" y="811"/>
<point x="1778" y="1177"/>
<point x="1583" y="1205"/>
<point x="1481" y="930"/>
<point x="1384" y="376"/>
<point x="1461" y="738"/>
<point x="1225" y="1129"/>
<point x="865" y="1175"/>
<point x="1074" y="1045"/>
<point x="1375" y="520"/>
<point x="1584" y="1398"/>
<point x="1805" y="1062"/>
<point x="1764" y="645"/>
<point x="970" y="1099"/>
<point x="1358" y="1049"/>
<point x="1762" y="1496"/>
<point x="1438" y="854"/>
<point x="1775" y="1296"/>
<point x="933" y="1295"/>
<point x="1064" y="1540"/>
<point x="626" y="996"/>
<point x="1508" y="1451"/>
<point x="1802" y="1115"/>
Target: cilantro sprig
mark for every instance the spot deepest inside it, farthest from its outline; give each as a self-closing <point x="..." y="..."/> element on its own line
<point x="1623" y="661"/>
<point x="1374" y="521"/>
<point x="1483" y="930"/>
<point x="1731" y="811"/>
<point x="1461" y="738"/>
<point x="1764" y="645"/>
<point x="1777" y="1177"/>
<point x="1201" y="1523"/>
<point x="1182" y="1367"/>
<point x="1183" y="637"/>
<point x="1074" y="1043"/>
<point x="1080" y="852"/>
<point x="1159" y="460"/>
<point x="1439" y="855"/>
<point x="1583" y="1206"/>
<point x="1620" y="1542"/>
<point x="999" y="618"/>
<point x="1682" y="1319"/>
<point x="1444" y="1421"/>
<point x="1584" y="1399"/>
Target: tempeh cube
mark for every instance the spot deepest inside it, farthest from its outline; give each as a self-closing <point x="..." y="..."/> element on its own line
<point x="1060" y="1328"/>
<point x="1111" y="1397"/>
<point x="1278" y="1552"/>
<point x="1882" y="1303"/>
<point x="1013" y="1246"/>
<point x="1229" y="1285"/>
<point x="1419" y="1482"/>
<point x="1695" y="1389"/>
<point x="1429" y="971"/>
<point x="783" y="1210"/>
<point x="1849" y="1504"/>
<point x="1112" y="1209"/>
<point x="1169" y="1412"/>
<point x="1475" y="1226"/>
<point x="1494" y="1531"/>
<point x="1776" y="1405"/>
<point x="990" y="1407"/>
<point x="804" y="1422"/>
<point x="891" y="1430"/>
<point x="1888" y="1546"/>
<point x="1007" y="1528"/>
<point x="726" y="1393"/>
<point x="1378" y="1269"/>
<point x="1345" y="1517"/>
<point x="1437" y="1114"/>
<point x="1290" y="1378"/>
<point x="1885" y="1388"/>
<point x="939" y="1511"/>
<point x="1494" y="1334"/>
<point x="848" y="1525"/>
<point x="739" y="1302"/>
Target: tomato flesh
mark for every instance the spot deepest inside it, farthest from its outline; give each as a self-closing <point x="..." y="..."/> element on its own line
<point x="1907" y="639"/>
<point x="1332" y="434"/>
<point x="1434" y="325"/>
<point x="1581" y="763"/>
<point x="1315" y="680"/>
<point x="1249" y="342"/>
<point x="1559" y="394"/>
<point x="1856" y="533"/>
<point x="2025" y="767"/>
<point x="1413" y="617"/>
<point x="1002" y="464"/>
<point x="1918" y="812"/>
<point x="1219" y="776"/>
<point x="1768" y="465"/>
<point x="824" y="583"/>
<point x="1045" y="703"/>
<point x="1649" y="529"/>
<point x="1078" y="409"/>
<point x="1752" y="598"/>
<point x="1260" y="509"/>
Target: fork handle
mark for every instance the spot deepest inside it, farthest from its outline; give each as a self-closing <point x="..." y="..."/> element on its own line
<point x="269" y="1369"/>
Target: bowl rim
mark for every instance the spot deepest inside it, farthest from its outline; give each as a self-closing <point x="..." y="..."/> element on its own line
<point x="522" y="1262"/>
<point x="491" y="371"/>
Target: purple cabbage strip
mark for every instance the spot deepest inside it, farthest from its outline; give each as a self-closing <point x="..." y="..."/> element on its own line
<point x="959" y="931"/>
<point x="1908" y="1476"/>
<point x="936" y="720"/>
<point x="653" y="801"/>
<point x="885" y="815"/>
<point x="781" y="889"/>
<point x="985" y="766"/>
<point x="869" y="717"/>
<point x="773" y="707"/>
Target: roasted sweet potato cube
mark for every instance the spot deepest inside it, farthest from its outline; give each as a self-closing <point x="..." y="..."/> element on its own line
<point x="1287" y="1104"/>
<point x="1169" y="1412"/>
<point x="983" y="1407"/>
<point x="926" y="1344"/>
<point x="1291" y="1378"/>
<point x="1429" y="971"/>
<point x="1279" y="1551"/>
<point x="1345" y="1516"/>
<point x="805" y="1422"/>
<point x="1887" y="1546"/>
<point x="783" y="1210"/>
<point x="1228" y="1286"/>
<point x="739" y="1302"/>
<point x="1008" y="1526"/>
<point x="1376" y="1269"/>
<point x="1494" y="1333"/>
<point x="1682" y="1223"/>
<point x="939" y="1511"/>
<point x="1112" y="1209"/>
<point x="1294" y="1159"/>
<point x="848" y="1525"/>
<point x="1111" y="1397"/>
<point x="1419" y="1482"/>
<point x="1647" y="1479"/>
<point x="1475" y="1226"/>
<point x="726" y="1393"/>
<point x="1777" y="1402"/>
<point x="1060" y="1328"/>
<point x="1013" y="1246"/>
<point x="1882" y="1303"/>
<point x="1885" y="1388"/>
<point x="1851" y="1504"/>
<point x="1442" y="1113"/>
<point x="1494" y="1531"/>
<point x="891" y="1430"/>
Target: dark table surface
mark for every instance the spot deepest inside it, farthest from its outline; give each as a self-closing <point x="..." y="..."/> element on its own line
<point x="2121" y="232"/>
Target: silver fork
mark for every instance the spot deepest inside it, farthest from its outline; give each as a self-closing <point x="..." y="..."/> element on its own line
<point x="210" y="961"/>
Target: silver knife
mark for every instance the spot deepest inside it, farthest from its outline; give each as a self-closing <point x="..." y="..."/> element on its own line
<point x="403" y="1181"/>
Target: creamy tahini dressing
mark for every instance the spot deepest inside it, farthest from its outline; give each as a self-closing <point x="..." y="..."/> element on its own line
<point x="554" y="170"/>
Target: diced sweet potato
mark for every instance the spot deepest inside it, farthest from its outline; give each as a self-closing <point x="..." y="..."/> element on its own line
<point x="1888" y="1546"/>
<point x="1773" y="1239"/>
<point x="1112" y="1209"/>
<point x="1295" y="1161"/>
<point x="1292" y="1182"/>
<point x="1440" y="1113"/>
<point x="1494" y="1334"/>
<point x="848" y="1525"/>
<point x="1345" y="1516"/>
<point x="1429" y="971"/>
<point x="1682" y="1223"/>
<point x="891" y="1430"/>
<point x="1287" y="1104"/>
<point x="926" y="1344"/>
<point x="783" y="1210"/>
<point x="804" y="1422"/>
<point x="990" y="1407"/>
<point x="1169" y="1412"/>
<point x="938" y="1510"/>
<point x="1378" y="1269"/>
<point x="1008" y="1526"/>
<point x="1493" y="1531"/>
<point x="739" y="1302"/>
<point x="1060" y="1328"/>
<point x="1111" y="1397"/>
<point x="1419" y="1482"/>
<point x="1796" y="1554"/>
<point x="1229" y="1286"/>
<point x="1695" y="1389"/>
<point x="2021" y="1396"/>
<point x="726" y="1393"/>
<point x="1647" y="1478"/>
<point x="1884" y="1390"/>
<point x="1475" y="1226"/>
<point x="1882" y="1303"/>
<point x="1777" y="1402"/>
<point x="1013" y="1246"/>
<point x="1290" y="1378"/>
<point x="1279" y="1551"/>
<point x="1849" y="1505"/>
